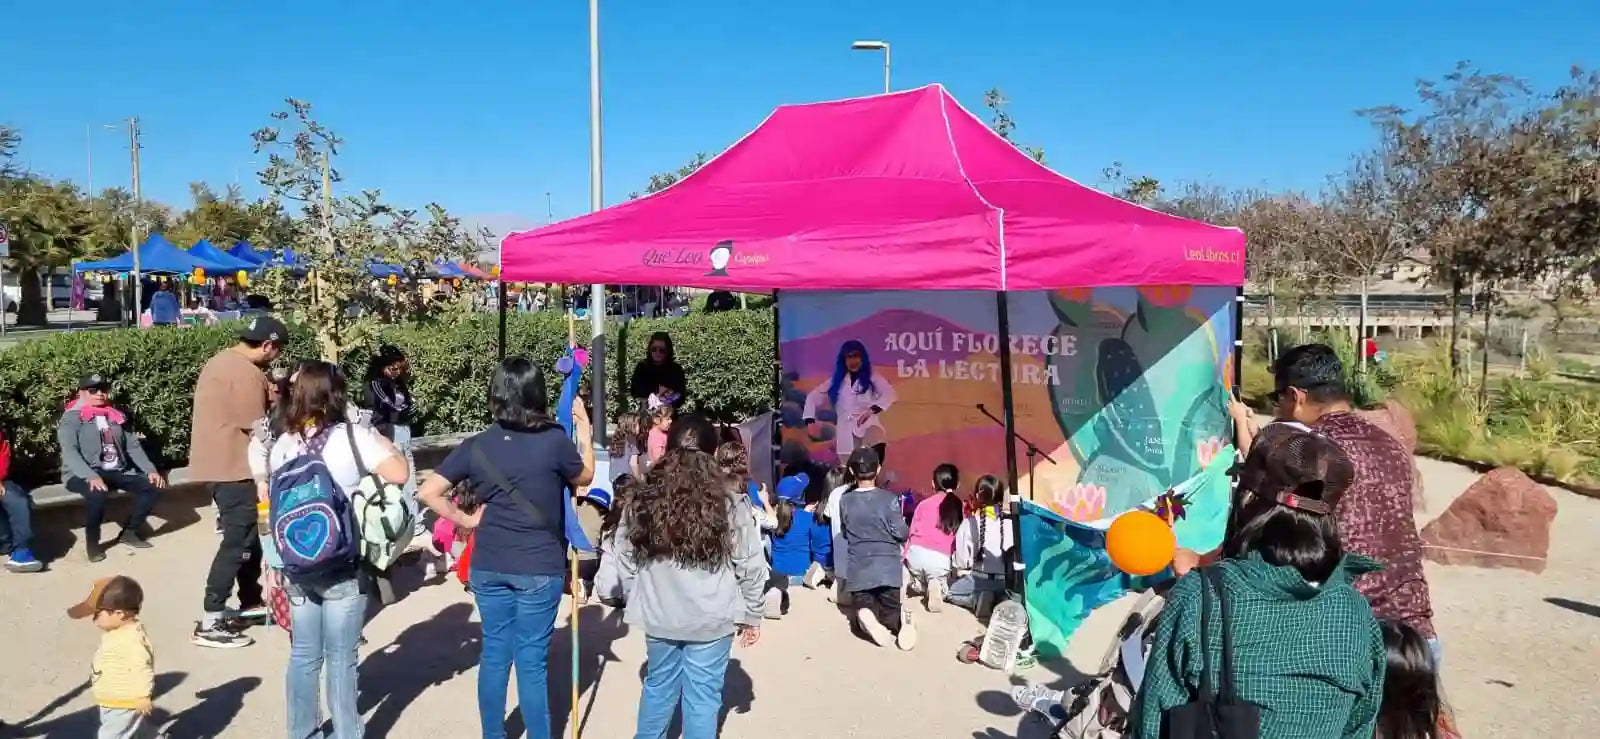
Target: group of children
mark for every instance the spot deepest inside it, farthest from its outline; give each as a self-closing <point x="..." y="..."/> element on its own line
<point x="875" y="547"/>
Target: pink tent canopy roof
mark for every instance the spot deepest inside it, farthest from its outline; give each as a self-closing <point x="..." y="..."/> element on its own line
<point x="900" y="191"/>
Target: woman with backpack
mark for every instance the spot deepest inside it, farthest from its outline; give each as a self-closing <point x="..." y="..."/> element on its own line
<point x="321" y="448"/>
<point x="523" y="469"/>
<point x="1274" y="637"/>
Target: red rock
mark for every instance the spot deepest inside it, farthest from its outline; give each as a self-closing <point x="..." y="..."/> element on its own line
<point x="1503" y="520"/>
<point x="1395" y="419"/>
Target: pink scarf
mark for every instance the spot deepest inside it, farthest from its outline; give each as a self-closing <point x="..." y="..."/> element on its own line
<point x="90" y="412"/>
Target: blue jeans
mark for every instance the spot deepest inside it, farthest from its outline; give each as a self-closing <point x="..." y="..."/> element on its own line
<point x="692" y="671"/>
<point x="16" y="529"/>
<point x="518" y="614"/>
<point x="326" y="622"/>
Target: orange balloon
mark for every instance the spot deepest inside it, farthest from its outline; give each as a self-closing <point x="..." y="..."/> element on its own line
<point x="1140" y="543"/>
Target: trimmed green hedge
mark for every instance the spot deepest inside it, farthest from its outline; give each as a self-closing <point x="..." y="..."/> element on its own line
<point x="727" y="356"/>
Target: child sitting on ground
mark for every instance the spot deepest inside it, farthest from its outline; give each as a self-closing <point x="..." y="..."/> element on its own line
<point x="124" y="665"/>
<point x="980" y="545"/>
<point x="799" y="543"/>
<point x="875" y="536"/>
<point x="1412" y="707"/>
<point x="934" y="523"/>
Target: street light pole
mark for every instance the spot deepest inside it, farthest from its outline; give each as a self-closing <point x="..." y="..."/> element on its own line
<point x="138" y="208"/>
<point x="597" y="292"/>
<point x="877" y="46"/>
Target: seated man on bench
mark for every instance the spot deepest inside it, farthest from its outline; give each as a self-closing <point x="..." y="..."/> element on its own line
<point x="100" y="455"/>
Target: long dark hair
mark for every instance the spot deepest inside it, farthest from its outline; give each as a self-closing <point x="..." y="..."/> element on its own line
<point x="1287" y="489"/>
<point x="860" y="380"/>
<point x="317" y="399"/>
<point x="1411" y="702"/>
<point x="517" y="395"/>
<point x="626" y="488"/>
<point x="683" y="511"/>
<point x="837" y="476"/>
<point x="986" y="494"/>
<point x="946" y="478"/>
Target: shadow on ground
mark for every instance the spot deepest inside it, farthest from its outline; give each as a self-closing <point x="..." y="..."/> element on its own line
<point x="216" y="709"/>
<point x="427" y="654"/>
<point x="1587" y="609"/>
<point x="58" y="531"/>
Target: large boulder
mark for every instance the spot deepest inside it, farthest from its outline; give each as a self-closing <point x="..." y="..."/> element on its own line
<point x="1503" y="520"/>
<point x="1395" y="419"/>
<point x="1398" y="421"/>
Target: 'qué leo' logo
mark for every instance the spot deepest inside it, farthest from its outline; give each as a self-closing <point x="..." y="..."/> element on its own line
<point x="720" y="257"/>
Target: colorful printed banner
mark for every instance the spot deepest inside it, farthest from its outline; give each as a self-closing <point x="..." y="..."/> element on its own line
<point x="1123" y="390"/>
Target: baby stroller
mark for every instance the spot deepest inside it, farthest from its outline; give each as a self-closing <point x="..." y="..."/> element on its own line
<point x="1100" y="708"/>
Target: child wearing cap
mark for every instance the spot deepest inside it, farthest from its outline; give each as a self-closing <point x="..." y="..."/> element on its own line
<point x="124" y="665"/>
<point x="592" y="507"/>
<point x="799" y="542"/>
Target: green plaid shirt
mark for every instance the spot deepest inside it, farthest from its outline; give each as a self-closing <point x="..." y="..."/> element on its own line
<point x="1311" y="657"/>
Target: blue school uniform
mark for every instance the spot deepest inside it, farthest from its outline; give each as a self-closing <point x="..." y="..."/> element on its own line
<point x="806" y="541"/>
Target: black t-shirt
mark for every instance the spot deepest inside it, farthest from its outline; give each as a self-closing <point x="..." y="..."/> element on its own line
<point x="538" y="464"/>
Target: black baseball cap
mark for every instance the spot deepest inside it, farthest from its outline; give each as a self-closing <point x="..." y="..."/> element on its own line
<point x="93" y="380"/>
<point x="262" y="329"/>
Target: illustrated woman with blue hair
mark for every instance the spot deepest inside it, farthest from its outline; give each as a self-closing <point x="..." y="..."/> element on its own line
<point x="858" y="396"/>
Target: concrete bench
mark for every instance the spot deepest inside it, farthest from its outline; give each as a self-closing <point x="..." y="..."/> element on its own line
<point x="427" y="450"/>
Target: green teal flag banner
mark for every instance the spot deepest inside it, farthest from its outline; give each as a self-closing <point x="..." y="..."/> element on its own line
<point x="1068" y="573"/>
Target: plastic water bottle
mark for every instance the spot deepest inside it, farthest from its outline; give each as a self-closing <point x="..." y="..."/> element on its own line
<point x="1007" y="626"/>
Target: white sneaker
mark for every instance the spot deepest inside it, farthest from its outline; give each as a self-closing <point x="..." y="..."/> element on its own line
<point x="839" y="594"/>
<point x="907" y="639"/>
<point x="772" y="604"/>
<point x="815" y="574"/>
<point x="935" y="597"/>
<point x="875" y="629"/>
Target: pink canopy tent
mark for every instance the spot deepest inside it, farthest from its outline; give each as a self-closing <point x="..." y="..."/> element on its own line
<point x="907" y="190"/>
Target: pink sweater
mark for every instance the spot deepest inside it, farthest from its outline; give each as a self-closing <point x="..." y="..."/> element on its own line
<point x="925" y="530"/>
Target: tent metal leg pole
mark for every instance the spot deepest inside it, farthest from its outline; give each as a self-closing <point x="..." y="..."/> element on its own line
<point x="500" y="291"/>
<point x="1014" y="578"/>
<point x="1238" y="339"/>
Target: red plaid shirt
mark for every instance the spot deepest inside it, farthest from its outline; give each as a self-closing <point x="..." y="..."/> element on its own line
<point x="1376" y="518"/>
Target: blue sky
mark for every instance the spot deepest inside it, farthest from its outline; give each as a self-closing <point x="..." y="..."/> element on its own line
<point x="482" y="106"/>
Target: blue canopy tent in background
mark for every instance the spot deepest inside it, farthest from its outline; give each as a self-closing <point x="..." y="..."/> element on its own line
<point x="157" y="256"/>
<point x="206" y="250"/>
<point x="242" y="250"/>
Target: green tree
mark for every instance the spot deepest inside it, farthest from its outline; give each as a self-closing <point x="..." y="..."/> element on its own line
<point x="663" y="180"/>
<point x="50" y="226"/>
<point x="1363" y="232"/>
<point x="1144" y="189"/>
<point x="341" y="238"/>
<point x="1001" y="122"/>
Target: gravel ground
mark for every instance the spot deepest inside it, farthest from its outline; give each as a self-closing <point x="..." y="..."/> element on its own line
<point x="1511" y="638"/>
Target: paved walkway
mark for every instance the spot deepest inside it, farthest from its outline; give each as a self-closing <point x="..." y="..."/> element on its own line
<point x="1517" y="645"/>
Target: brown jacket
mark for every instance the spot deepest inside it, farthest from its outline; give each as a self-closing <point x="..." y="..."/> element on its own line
<point x="229" y="398"/>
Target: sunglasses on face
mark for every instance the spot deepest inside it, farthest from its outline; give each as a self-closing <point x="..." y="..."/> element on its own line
<point x="98" y="390"/>
<point x="658" y="350"/>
